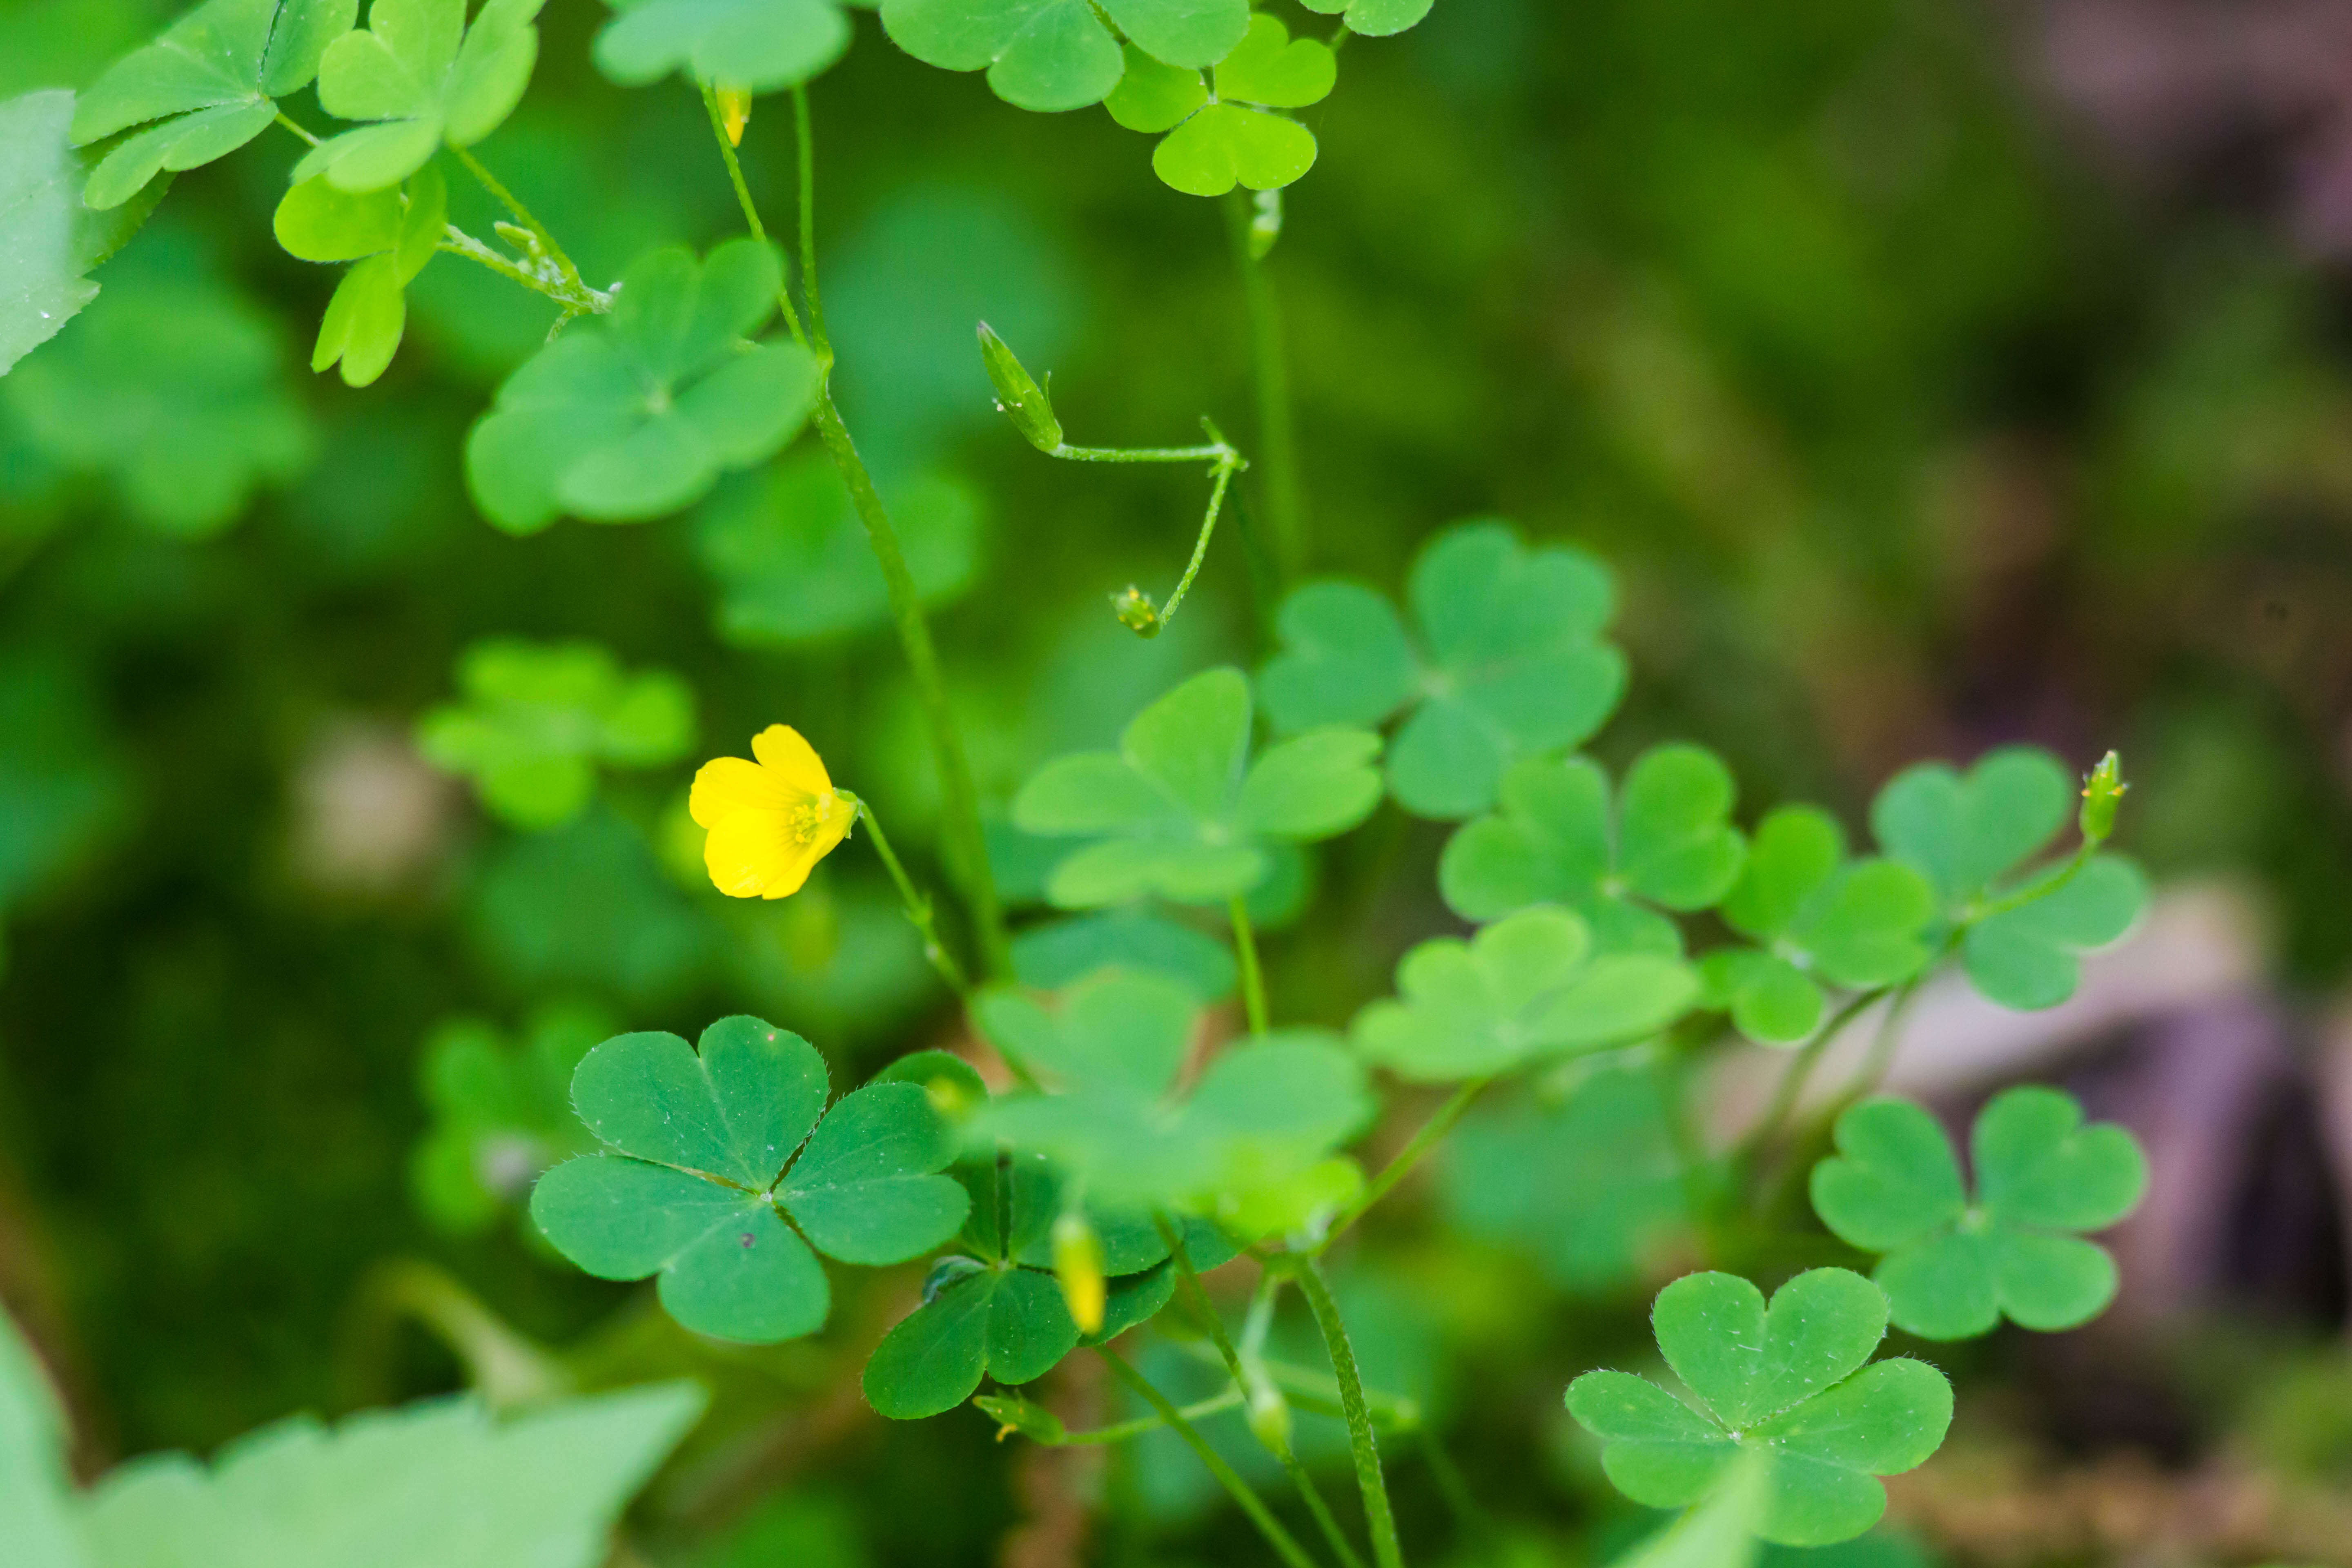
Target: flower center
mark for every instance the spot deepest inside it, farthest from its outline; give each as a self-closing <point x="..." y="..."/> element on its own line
<point x="806" y="821"/>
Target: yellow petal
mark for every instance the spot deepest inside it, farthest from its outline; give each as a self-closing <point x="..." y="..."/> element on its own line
<point x="800" y="859"/>
<point x="749" y="852"/>
<point x="728" y="784"/>
<point x="781" y="752"/>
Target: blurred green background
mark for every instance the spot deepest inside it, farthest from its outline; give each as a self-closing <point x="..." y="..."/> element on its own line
<point x="1933" y="374"/>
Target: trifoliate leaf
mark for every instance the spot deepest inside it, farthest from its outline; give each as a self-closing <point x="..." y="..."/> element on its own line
<point x="392" y="233"/>
<point x="1786" y="1383"/>
<point x="792" y="559"/>
<point x="701" y="1171"/>
<point x="439" y="1484"/>
<point x="1526" y="987"/>
<point x="49" y="240"/>
<point x="754" y="46"/>
<point x="1062" y="952"/>
<point x="1815" y="917"/>
<point x="1557" y="838"/>
<point x="1505" y="661"/>
<point x="174" y="387"/>
<point x="536" y="718"/>
<point x="1591" y="1187"/>
<point x="1050" y="55"/>
<point x="1181" y="812"/>
<point x="634" y="415"/>
<point x="211" y="82"/>
<point x="1236" y="138"/>
<point x="426" y="77"/>
<point x="1260" y="1114"/>
<point x="1953" y="1268"/>
<point x="2028" y="957"/>
<point x="501" y="1113"/>
<point x="1373" y="18"/>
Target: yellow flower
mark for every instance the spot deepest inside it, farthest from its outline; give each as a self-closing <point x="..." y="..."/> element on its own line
<point x="770" y="821"/>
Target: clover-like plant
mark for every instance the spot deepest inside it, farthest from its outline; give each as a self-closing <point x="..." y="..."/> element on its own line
<point x="1053" y="55"/>
<point x="536" y="718"/>
<point x="1504" y="661"/>
<point x="637" y="414"/>
<point x="1181" y="810"/>
<point x="1214" y="141"/>
<point x="1815" y="916"/>
<point x="1974" y="834"/>
<point x="1787" y="1382"/>
<point x="752" y="46"/>
<point x="1666" y="841"/>
<point x="1953" y="1268"/>
<point x="206" y="88"/>
<point x="1529" y="986"/>
<point x="1261" y="1115"/>
<point x="424" y="76"/>
<point x="710" y="1151"/>
<point x="390" y="234"/>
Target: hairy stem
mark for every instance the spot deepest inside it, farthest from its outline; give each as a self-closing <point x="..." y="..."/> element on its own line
<point x="1216" y="452"/>
<point x="1379" y="1517"/>
<point x="918" y="904"/>
<point x="1285" y="507"/>
<point x="1285" y="1545"/>
<point x="580" y="301"/>
<point x="522" y="215"/>
<point x="1245" y="952"/>
<point x="1431" y="1133"/>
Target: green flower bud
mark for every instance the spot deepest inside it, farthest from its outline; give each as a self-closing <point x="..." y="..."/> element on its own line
<point x="1136" y="611"/>
<point x="2102" y="791"/>
<point x="1268" y="1413"/>
<point x="1022" y="400"/>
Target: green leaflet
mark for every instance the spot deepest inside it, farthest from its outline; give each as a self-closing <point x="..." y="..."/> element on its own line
<point x="1059" y="953"/>
<point x="1952" y="1270"/>
<point x="1213" y="143"/>
<point x="392" y="233"/>
<point x="51" y="241"/>
<point x="635" y="414"/>
<point x="1557" y="837"/>
<point x="1373" y="18"/>
<point x="1815" y="916"/>
<point x="1719" y="1532"/>
<point x="536" y="718"/>
<point x="710" y="1150"/>
<point x="1051" y="55"/>
<point x="1503" y="660"/>
<point x="792" y="564"/>
<point x="1181" y="811"/>
<point x="424" y="77"/>
<point x="1528" y="987"/>
<point x="1972" y="834"/>
<point x="501" y="1113"/>
<point x="1588" y="1182"/>
<point x="1262" y="1114"/>
<point x="1786" y="1383"/>
<point x="997" y="1313"/>
<point x="755" y="45"/>
<point x="208" y="86"/>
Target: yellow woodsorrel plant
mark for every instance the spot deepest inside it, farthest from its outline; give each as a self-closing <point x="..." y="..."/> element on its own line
<point x="1133" y="1141"/>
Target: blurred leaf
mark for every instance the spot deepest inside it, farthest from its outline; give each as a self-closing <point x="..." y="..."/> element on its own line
<point x="2028" y="957"/>
<point x="1787" y="1383"/>
<point x="635" y="414"/>
<point x="537" y="718"/>
<point x="426" y="77"/>
<point x="587" y="906"/>
<point x="1526" y="987"/>
<point x="1060" y="953"/>
<point x="1969" y="831"/>
<point x="35" y="1488"/>
<point x="792" y="562"/>
<point x="1507" y="662"/>
<point x="1953" y="1270"/>
<point x="839" y="957"/>
<point x="753" y="45"/>
<point x="1051" y="54"/>
<point x="501" y="1112"/>
<point x="703" y="1164"/>
<point x="1373" y="18"/>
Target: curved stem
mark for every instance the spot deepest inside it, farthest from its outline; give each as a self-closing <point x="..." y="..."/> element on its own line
<point x="1245" y="951"/>
<point x="522" y="215"/>
<point x="918" y="904"/>
<point x="1286" y="506"/>
<point x="1285" y="1545"/>
<point x="1799" y="1071"/>
<point x="1200" y="543"/>
<point x="584" y="302"/>
<point x="750" y="209"/>
<point x="1431" y="1133"/>
<point x="298" y="129"/>
<point x="1379" y="1517"/>
<point x="804" y="141"/>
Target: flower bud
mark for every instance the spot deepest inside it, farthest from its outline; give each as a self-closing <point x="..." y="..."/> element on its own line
<point x="1136" y="611"/>
<point x="1022" y="400"/>
<point x="1268" y="1413"/>
<point x="734" y="113"/>
<point x="2102" y="791"/>
<point x="1078" y="1271"/>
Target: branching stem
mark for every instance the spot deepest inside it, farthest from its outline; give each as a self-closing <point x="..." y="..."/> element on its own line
<point x="919" y="903"/>
<point x="1431" y="1133"/>
<point x="1285" y="1545"/>
<point x="522" y="215"/>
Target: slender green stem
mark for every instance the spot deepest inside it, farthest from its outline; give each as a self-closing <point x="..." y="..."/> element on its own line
<point x="2033" y="892"/>
<point x="522" y="215"/>
<point x="304" y="131"/>
<point x="967" y="845"/>
<point x="1799" y="1071"/>
<point x="1277" y="446"/>
<point x="1379" y="1517"/>
<point x="1216" y="452"/>
<point x="1102" y="1436"/>
<point x="1285" y="1545"/>
<point x="805" y="140"/>
<point x="1252" y="978"/>
<point x="750" y="209"/>
<point x="582" y="301"/>
<point x="918" y="904"/>
<point x="1315" y="1392"/>
<point x="1199" y="544"/>
<point x="1452" y="1485"/>
<point x="1431" y="1133"/>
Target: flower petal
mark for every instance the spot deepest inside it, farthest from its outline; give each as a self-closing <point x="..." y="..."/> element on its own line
<point x="750" y="852"/>
<point x="725" y="786"/>
<point x="801" y="859"/>
<point x="782" y="751"/>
